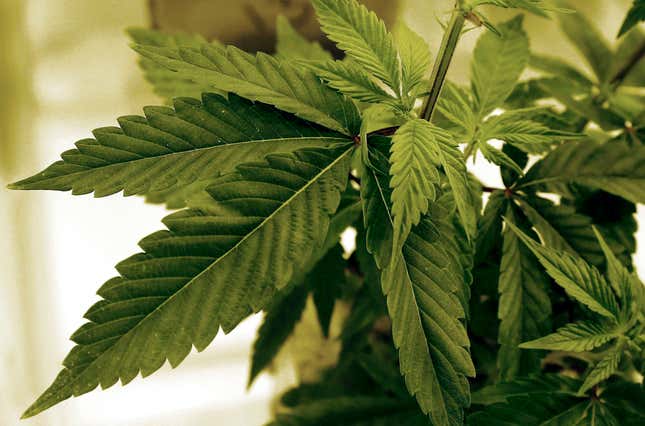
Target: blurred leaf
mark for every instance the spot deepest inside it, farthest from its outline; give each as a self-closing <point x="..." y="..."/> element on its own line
<point x="291" y="45"/>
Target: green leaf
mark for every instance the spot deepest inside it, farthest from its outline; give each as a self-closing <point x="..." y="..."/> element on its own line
<point x="414" y="175"/>
<point x="612" y="167"/>
<point x="261" y="78"/>
<point x="363" y="36"/>
<point x="455" y="106"/>
<point x="529" y="136"/>
<point x="635" y="15"/>
<point x="534" y="384"/>
<point x="353" y="410"/>
<point x="581" y="102"/>
<point x="497" y="65"/>
<point x="188" y="281"/>
<point x="626" y="401"/>
<point x="171" y="150"/>
<point x="490" y="225"/>
<point x="351" y="80"/>
<point x="291" y="45"/>
<point x="546" y="408"/>
<point x="626" y="284"/>
<point x="165" y="83"/>
<point x="589" y="41"/>
<point x="581" y="281"/>
<point x="603" y="369"/>
<point x="524" y="304"/>
<point x="577" y="337"/>
<point x="498" y="157"/>
<point x="415" y="58"/>
<point x="425" y="290"/>
<point x="327" y="280"/>
<point x="279" y="322"/>
<point x="560" y="68"/>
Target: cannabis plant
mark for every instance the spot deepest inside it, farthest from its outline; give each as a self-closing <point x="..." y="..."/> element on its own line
<point x="523" y="310"/>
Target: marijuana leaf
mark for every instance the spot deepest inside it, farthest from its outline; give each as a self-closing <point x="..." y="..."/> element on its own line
<point x="524" y="304"/>
<point x="363" y="36"/>
<point x="498" y="62"/>
<point x="415" y="58"/>
<point x="351" y="80"/>
<point x="530" y="136"/>
<point x="578" y="337"/>
<point x="171" y="149"/>
<point x="260" y="78"/>
<point x="425" y="289"/>
<point x="580" y="280"/>
<point x="603" y="369"/>
<point x="192" y="270"/>
<point x="613" y="167"/>
<point x="413" y="167"/>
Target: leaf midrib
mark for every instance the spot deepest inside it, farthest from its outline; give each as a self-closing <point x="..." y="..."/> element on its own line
<point x="232" y="145"/>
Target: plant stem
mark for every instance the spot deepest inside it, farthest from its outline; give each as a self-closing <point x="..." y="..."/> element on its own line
<point x="442" y="63"/>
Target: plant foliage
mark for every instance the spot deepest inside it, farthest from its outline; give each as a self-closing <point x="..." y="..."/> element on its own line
<point x="524" y="310"/>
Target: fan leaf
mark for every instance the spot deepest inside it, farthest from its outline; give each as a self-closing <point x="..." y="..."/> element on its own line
<point x="363" y="36"/>
<point x="173" y="152"/>
<point x="269" y="216"/>
<point x="260" y="78"/>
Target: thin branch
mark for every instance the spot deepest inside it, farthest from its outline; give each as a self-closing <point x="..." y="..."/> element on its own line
<point x="444" y="58"/>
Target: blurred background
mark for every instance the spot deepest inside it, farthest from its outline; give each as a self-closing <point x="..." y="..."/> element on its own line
<point x="66" y="68"/>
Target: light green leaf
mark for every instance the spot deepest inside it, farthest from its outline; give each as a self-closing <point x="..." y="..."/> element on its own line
<point x="524" y="304"/>
<point x="351" y="80"/>
<point x="165" y="83"/>
<point x="456" y="106"/>
<point x="498" y="157"/>
<point x="521" y="386"/>
<point x="414" y="175"/>
<point x="580" y="280"/>
<point x="497" y="65"/>
<point x="562" y="228"/>
<point x="261" y="78"/>
<point x="603" y="369"/>
<point x="171" y="150"/>
<point x="426" y="294"/>
<point x="188" y="282"/>
<point x="589" y="41"/>
<point x="577" y="337"/>
<point x="612" y="167"/>
<point x="363" y="36"/>
<point x="627" y="286"/>
<point x="291" y="45"/>
<point x="529" y="136"/>
<point x="415" y="58"/>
